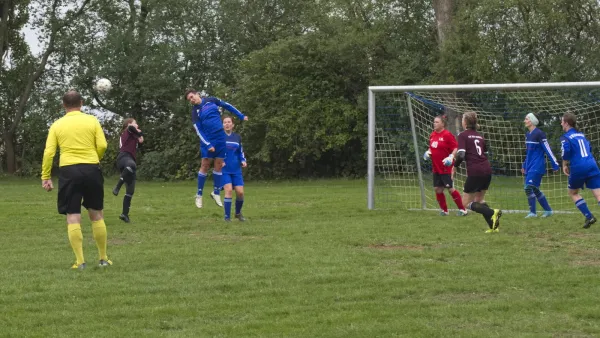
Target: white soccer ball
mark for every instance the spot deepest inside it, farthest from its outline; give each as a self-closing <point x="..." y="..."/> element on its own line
<point x="103" y="85"/>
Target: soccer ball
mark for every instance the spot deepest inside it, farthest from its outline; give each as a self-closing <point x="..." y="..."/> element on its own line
<point x="103" y="85"/>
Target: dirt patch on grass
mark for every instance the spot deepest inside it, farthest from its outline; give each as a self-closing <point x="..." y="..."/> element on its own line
<point x="464" y="297"/>
<point x="117" y="241"/>
<point x="586" y="262"/>
<point x="225" y="238"/>
<point x="580" y="235"/>
<point x="397" y="247"/>
<point x="585" y="256"/>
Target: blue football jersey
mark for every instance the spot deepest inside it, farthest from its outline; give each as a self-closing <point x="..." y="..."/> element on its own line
<point x="235" y="154"/>
<point x="576" y="149"/>
<point x="537" y="145"/>
<point x="207" y="120"/>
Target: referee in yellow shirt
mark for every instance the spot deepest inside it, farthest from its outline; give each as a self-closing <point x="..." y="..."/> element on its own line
<point x="82" y="144"/>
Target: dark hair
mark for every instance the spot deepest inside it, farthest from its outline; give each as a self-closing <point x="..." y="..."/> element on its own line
<point x="188" y="91"/>
<point x="570" y="119"/>
<point x="127" y="122"/>
<point x="227" y="116"/>
<point x="470" y="118"/>
<point x="442" y="118"/>
<point x="72" y="99"/>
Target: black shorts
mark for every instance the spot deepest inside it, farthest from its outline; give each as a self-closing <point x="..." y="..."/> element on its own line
<point x="475" y="184"/>
<point x="80" y="182"/>
<point x="124" y="159"/>
<point x="442" y="180"/>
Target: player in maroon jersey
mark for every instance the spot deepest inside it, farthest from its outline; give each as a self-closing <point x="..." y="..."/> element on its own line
<point x="442" y="149"/>
<point x="128" y="143"/>
<point x="472" y="149"/>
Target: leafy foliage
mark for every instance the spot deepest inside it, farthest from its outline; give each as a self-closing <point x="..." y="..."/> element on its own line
<point x="299" y="70"/>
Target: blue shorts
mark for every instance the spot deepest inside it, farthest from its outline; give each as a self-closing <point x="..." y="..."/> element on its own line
<point x="220" y="150"/>
<point x="577" y="182"/>
<point x="236" y="180"/>
<point x="534" y="179"/>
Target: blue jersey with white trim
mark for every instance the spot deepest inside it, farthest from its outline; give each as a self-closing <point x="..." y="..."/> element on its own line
<point x="207" y="120"/>
<point x="235" y="154"/>
<point x="576" y="149"/>
<point x="537" y="145"/>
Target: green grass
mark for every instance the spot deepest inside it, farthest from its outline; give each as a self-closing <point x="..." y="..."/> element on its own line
<point x="310" y="262"/>
<point x="505" y="192"/>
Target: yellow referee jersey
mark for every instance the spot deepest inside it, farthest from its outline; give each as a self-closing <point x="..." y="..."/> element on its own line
<point x="80" y="139"/>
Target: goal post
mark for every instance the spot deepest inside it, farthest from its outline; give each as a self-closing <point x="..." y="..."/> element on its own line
<point x="400" y="120"/>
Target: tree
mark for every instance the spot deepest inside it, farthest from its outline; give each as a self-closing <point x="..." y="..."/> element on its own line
<point x="21" y="70"/>
<point x="445" y="11"/>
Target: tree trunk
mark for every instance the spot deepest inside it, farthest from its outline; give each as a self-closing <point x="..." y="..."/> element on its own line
<point x="444" y="14"/>
<point x="9" y="147"/>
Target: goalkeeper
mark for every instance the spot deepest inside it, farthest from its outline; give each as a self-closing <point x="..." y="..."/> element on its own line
<point x="534" y="166"/>
<point x="442" y="149"/>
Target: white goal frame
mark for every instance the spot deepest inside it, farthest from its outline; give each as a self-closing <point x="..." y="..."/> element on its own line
<point x="373" y="90"/>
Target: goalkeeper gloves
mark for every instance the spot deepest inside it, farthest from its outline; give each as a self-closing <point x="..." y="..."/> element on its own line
<point x="426" y="155"/>
<point x="448" y="160"/>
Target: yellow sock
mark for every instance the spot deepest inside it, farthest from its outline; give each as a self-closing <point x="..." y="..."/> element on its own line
<point x="76" y="240"/>
<point x="99" y="231"/>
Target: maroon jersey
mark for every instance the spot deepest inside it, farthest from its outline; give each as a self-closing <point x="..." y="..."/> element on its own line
<point x="128" y="143"/>
<point x="441" y="145"/>
<point x="474" y="147"/>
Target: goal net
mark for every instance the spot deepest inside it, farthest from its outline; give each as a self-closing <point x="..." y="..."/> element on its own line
<point x="401" y="120"/>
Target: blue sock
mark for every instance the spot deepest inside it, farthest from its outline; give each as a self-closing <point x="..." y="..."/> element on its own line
<point x="217" y="176"/>
<point x="238" y="205"/>
<point x="227" y="206"/>
<point x="582" y="206"/>
<point x="201" y="180"/>
<point x="532" y="203"/>
<point x="543" y="201"/>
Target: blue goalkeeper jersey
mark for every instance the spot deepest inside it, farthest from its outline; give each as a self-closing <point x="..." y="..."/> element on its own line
<point x="537" y="145"/>
<point x="576" y="149"/>
<point x="235" y="154"/>
<point x="207" y="120"/>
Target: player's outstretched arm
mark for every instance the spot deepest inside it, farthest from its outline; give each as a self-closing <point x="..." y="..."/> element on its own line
<point x="232" y="109"/>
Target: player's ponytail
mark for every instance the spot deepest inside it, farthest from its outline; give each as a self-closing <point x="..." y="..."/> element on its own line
<point x="470" y="119"/>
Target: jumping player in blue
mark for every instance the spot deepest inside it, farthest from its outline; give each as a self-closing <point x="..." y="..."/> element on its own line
<point x="580" y="165"/>
<point x="534" y="166"/>
<point x="209" y="127"/>
<point x="235" y="160"/>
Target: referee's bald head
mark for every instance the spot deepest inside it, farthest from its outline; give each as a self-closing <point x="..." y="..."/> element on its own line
<point x="72" y="99"/>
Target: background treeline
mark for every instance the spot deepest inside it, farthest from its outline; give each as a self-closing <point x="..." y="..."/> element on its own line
<point x="299" y="69"/>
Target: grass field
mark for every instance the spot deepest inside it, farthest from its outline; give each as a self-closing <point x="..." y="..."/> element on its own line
<point x="505" y="192"/>
<point x="310" y="262"/>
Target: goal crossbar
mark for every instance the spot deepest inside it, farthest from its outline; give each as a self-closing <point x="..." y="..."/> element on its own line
<point x="483" y="87"/>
